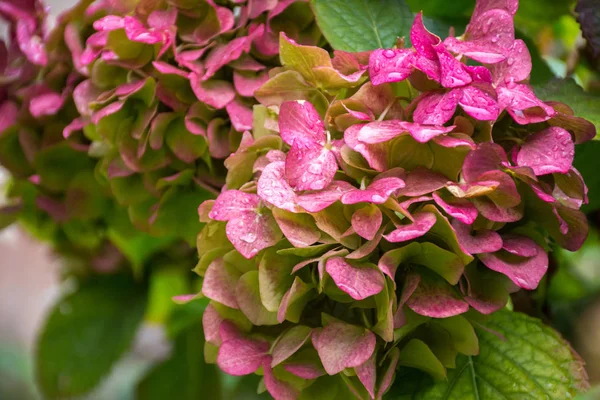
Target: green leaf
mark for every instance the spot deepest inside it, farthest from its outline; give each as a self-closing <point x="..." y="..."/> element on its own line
<point x="586" y="162"/>
<point x="360" y="25"/>
<point x="585" y="105"/>
<point x="519" y="358"/>
<point x="86" y="333"/>
<point x="442" y="8"/>
<point x="185" y="375"/>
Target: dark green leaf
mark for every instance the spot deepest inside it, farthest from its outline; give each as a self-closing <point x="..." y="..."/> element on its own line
<point x="86" y="333"/>
<point x="585" y="105"/>
<point x="360" y="25"/>
<point x="185" y="375"/>
<point x="519" y="358"/>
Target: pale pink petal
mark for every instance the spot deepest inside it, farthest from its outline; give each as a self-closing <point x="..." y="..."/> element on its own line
<point x="359" y="281"/>
<point x="423" y="222"/>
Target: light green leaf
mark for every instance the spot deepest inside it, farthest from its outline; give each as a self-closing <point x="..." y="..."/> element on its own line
<point x="86" y="333"/>
<point x="523" y="359"/>
<point x="366" y="24"/>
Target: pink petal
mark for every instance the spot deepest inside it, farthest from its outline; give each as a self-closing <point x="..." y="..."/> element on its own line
<point x="487" y="157"/>
<point x="461" y="209"/>
<point x="423" y="222"/>
<point x="277" y="388"/>
<point x="436" y="108"/>
<point x="310" y="166"/>
<point x="423" y="40"/>
<point x="479" y="104"/>
<point x="224" y="54"/>
<point x="240" y="115"/>
<point x="211" y="321"/>
<point x="523" y="105"/>
<point x="516" y="67"/>
<point x="242" y="356"/>
<point x="299" y="122"/>
<point x="377" y="192"/>
<point x="233" y="203"/>
<point x="214" y="93"/>
<point x="367" y="374"/>
<point x="389" y="65"/>
<point x="484" y="241"/>
<point x="341" y="345"/>
<point x="422" y="181"/>
<point x="453" y="72"/>
<point x="247" y="84"/>
<point x="549" y="151"/>
<point x="220" y="281"/>
<point x="359" y="282"/>
<point x="382" y="131"/>
<point x="526" y="272"/>
<point x="319" y="200"/>
<point x="252" y="231"/>
<point x="366" y="221"/>
<point x="436" y="298"/>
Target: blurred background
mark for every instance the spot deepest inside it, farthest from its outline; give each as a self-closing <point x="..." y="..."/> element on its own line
<point x="568" y="298"/>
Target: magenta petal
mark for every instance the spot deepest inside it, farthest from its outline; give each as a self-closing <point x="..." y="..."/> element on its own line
<point x="246" y="84"/>
<point x="479" y="74"/>
<point x="242" y="356"/>
<point x="377" y="192"/>
<point x="434" y="297"/>
<point x="341" y="345"/>
<point x="523" y="105"/>
<point x="549" y="151"/>
<point x="526" y="272"/>
<point x="319" y="200"/>
<point x="224" y="54"/>
<point x="359" y="282"/>
<point x="436" y="108"/>
<point x="214" y="93"/>
<point x="423" y="40"/>
<point x="461" y="209"/>
<point x="487" y="157"/>
<point x="382" y="131"/>
<point x="375" y="155"/>
<point x="479" y="104"/>
<point x="423" y="222"/>
<point x="387" y="65"/>
<point x="232" y="203"/>
<point x="273" y="187"/>
<point x="485" y="241"/>
<point x="366" y="221"/>
<point x="46" y="104"/>
<point x="516" y="67"/>
<point x="519" y="247"/>
<point x="453" y="73"/>
<point x="310" y="166"/>
<point x="476" y="50"/>
<point x="299" y="122"/>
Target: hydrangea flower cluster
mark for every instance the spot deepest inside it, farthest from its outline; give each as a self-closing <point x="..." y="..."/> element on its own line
<point x="169" y="90"/>
<point x="53" y="190"/>
<point x="384" y="202"/>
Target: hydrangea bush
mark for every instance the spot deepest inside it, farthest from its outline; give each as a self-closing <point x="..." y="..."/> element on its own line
<point x="384" y="204"/>
<point x="170" y="89"/>
<point x="361" y="218"/>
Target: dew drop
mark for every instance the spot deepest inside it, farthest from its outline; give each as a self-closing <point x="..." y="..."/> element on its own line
<point x="389" y="53"/>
